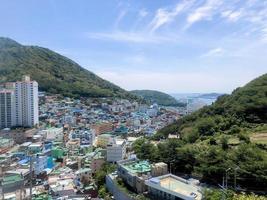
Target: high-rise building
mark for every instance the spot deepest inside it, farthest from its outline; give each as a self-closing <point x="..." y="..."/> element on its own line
<point x="7" y="109"/>
<point x="26" y="102"/>
<point x="19" y="103"/>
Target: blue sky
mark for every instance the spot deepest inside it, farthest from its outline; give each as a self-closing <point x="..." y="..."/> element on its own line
<point x="172" y="46"/>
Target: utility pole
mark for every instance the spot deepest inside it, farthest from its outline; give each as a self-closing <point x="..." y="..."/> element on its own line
<point x="237" y="168"/>
<point x="30" y="177"/>
<point x="1" y="188"/>
<point x="226" y="177"/>
<point x="224" y="192"/>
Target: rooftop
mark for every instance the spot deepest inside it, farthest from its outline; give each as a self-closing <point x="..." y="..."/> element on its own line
<point x="83" y="170"/>
<point x="140" y="166"/>
<point x="11" y="179"/>
<point x="175" y="185"/>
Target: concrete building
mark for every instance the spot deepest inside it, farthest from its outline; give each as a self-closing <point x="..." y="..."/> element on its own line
<point x="84" y="175"/>
<point x="6" y="143"/>
<point x="85" y="136"/>
<point x="134" y="172"/>
<point x="7" y="109"/>
<point x="11" y="183"/>
<point x="53" y="133"/>
<point x="116" y="151"/>
<point x="171" y="187"/>
<point x="40" y="164"/>
<point x="158" y="169"/>
<point x="26" y="102"/>
<point x="103" y="127"/>
<point x="97" y="161"/>
<point x="104" y="139"/>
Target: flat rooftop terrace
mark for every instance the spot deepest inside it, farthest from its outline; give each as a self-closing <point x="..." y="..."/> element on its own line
<point x="137" y="166"/>
<point x="176" y="186"/>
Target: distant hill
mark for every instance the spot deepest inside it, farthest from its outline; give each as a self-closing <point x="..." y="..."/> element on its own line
<point x="160" y="98"/>
<point x="246" y="105"/>
<point x="210" y="95"/>
<point x="54" y="72"/>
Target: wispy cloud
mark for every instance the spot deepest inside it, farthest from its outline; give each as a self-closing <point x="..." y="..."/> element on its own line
<point x="143" y="13"/>
<point x="214" y="52"/>
<point x="232" y="16"/>
<point x="164" y="16"/>
<point x="132" y="37"/>
<point x="120" y="17"/>
<point x="203" y="12"/>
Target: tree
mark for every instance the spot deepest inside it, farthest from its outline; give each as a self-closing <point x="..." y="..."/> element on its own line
<point x="224" y="142"/>
<point x="206" y="126"/>
<point x="101" y="173"/>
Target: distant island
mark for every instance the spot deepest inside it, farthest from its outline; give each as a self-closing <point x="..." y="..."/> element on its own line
<point x="210" y="95"/>
<point x="158" y="97"/>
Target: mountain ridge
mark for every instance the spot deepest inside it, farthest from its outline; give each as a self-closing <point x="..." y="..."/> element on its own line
<point x="54" y="73"/>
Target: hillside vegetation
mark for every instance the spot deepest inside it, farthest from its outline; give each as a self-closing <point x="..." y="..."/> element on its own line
<point x="160" y="98"/>
<point x="231" y="133"/>
<point x="54" y="72"/>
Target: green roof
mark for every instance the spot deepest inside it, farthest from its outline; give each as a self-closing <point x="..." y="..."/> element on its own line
<point x="42" y="197"/>
<point x="83" y="170"/>
<point x="138" y="166"/>
<point x="4" y="141"/>
<point x="107" y="134"/>
<point x="11" y="179"/>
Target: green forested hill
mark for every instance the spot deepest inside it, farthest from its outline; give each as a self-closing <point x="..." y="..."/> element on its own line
<point x="160" y="98"/>
<point x="54" y="72"/>
<point x="246" y="107"/>
<point x="231" y="133"/>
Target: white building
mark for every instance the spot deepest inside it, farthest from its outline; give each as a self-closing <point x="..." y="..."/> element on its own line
<point x="171" y="187"/>
<point x="7" y="109"/>
<point x="26" y="96"/>
<point x="53" y="133"/>
<point x="116" y="151"/>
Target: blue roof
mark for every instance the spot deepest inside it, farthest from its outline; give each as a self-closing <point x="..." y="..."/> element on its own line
<point x="24" y="161"/>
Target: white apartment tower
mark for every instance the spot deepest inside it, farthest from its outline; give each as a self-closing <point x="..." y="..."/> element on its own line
<point x="7" y="109"/>
<point x="26" y="102"/>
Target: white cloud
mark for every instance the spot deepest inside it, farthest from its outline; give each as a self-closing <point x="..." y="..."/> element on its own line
<point x="130" y="37"/>
<point x="203" y="12"/>
<point x="264" y="34"/>
<point x="164" y="16"/>
<point x="143" y="13"/>
<point x="232" y="16"/>
<point x="213" y="52"/>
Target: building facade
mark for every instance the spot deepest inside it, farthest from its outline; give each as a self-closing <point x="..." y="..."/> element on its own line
<point x="19" y="104"/>
<point x="26" y="102"/>
<point x="7" y="109"/>
<point x="116" y="151"/>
